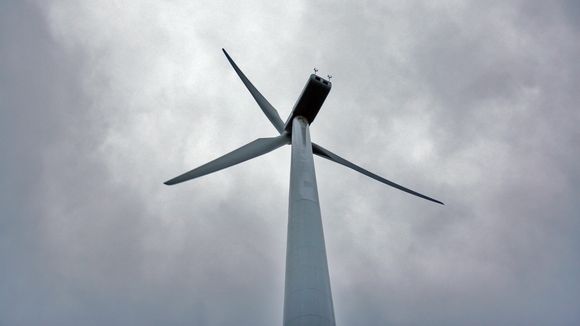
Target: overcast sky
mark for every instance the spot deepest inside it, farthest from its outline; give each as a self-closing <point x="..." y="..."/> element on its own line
<point x="474" y="103"/>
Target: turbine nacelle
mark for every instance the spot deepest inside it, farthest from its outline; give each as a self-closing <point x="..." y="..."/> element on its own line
<point x="310" y="101"/>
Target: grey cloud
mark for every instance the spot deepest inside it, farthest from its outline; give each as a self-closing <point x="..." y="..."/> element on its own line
<point x="473" y="104"/>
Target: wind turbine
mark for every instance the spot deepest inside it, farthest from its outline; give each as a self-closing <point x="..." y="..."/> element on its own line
<point x="307" y="295"/>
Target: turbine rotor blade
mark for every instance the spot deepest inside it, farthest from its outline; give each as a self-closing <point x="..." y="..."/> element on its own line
<point x="322" y="152"/>
<point x="254" y="149"/>
<point x="266" y="107"/>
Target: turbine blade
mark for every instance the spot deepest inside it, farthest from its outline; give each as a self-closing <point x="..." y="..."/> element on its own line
<point x="256" y="148"/>
<point x="322" y="152"/>
<point x="266" y="107"/>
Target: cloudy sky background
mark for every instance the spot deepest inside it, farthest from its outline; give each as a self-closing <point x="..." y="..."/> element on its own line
<point x="473" y="103"/>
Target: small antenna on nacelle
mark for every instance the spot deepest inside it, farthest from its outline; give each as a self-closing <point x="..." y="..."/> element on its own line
<point x="315" y="70"/>
<point x="329" y="77"/>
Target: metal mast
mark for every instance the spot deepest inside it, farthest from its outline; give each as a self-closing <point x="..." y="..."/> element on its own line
<point x="307" y="295"/>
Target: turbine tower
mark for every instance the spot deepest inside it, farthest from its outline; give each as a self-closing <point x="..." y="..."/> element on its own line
<point x="307" y="295"/>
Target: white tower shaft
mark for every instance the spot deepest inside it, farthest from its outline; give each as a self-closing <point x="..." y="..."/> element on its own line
<point x="307" y="295"/>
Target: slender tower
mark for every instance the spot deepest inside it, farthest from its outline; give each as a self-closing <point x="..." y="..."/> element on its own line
<point x="307" y="296"/>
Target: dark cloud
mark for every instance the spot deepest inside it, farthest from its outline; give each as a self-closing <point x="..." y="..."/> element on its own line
<point x="474" y="104"/>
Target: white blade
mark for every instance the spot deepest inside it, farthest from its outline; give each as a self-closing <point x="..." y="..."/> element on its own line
<point x="322" y="152"/>
<point x="266" y="107"/>
<point x="256" y="148"/>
